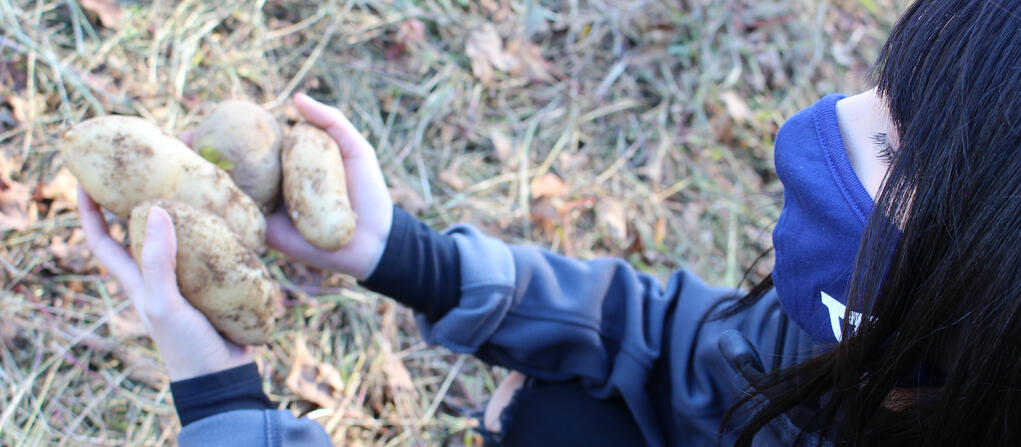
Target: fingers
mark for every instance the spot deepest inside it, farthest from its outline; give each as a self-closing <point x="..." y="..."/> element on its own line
<point x="352" y="144"/>
<point x="159" y="254"/>
<point x="366" y="185"/>
<point x="282" y="235"/>
<point x="187" y="137"/>
<point x="111" y="253"/>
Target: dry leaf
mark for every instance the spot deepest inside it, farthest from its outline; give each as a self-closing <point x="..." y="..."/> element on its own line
<point x="612" y="217"/>
<point x="397" y="376"/>
<point x="409" y="199"/>
<point x="736" y="106"/>
<point x="109" y="11"/>
<point x="17" y="210"/>
<point x="485" y="50"/>
<point x="141" y="369"/>
<point x="71" y="254"/>
<point x="126" y="324"/>
<point x="62" y="191"/>
<point x="314" y="381"/>
<point x="546" y="214"/>
<point x="520" y="57"/>
<point x="502" y="145"/>
<point x="659" y="232"/>
<point x="528" y="60"/>
<point x="451" y="177"/>
<point x="19" y="108"/>
<point x="499" y="10"/>
<point x="410" y="33"/>
<point x="549" y="185"/>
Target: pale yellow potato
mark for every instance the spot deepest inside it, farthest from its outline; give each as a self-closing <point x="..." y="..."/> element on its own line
<point x="246" y="139"/>
<point x="122" y="161"/>
<point x="315" y="187"/>
<point x="215" y="272"/>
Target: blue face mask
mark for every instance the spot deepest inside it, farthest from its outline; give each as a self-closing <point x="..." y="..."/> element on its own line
<point x="824" y="214"/>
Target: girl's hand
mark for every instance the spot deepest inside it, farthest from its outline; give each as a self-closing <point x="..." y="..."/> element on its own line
<point x="369" y="198"/>
<point x="188" y="343"/>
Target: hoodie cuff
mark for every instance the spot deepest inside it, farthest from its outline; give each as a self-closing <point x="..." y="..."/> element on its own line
<point x="419" y="268"/>
<point x="238" y="388"/>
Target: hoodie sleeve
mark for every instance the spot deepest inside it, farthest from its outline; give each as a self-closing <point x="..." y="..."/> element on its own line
<point x="551" y="316"/>
<point x="271" y="428"/>
<point x="229" y="408"/>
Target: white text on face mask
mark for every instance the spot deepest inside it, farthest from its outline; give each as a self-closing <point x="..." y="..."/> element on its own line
<point x="836" y="311"/>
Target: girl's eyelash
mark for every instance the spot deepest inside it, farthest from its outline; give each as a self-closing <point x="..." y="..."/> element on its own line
<point x="883" y="149"/>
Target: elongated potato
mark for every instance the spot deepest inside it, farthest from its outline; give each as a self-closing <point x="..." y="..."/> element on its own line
<point x="315" y="187"/>
<point x="246" y="138"/>
<point x="216" y="274"/>
<point x="122" y="161"/>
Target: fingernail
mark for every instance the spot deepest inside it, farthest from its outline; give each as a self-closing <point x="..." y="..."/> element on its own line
<point x="154" y="225"/>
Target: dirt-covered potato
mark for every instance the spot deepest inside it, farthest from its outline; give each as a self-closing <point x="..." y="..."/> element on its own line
<point x="244" y="139"/>
<point x="216" y="274"/>
<point x="315" y="187"/>
<point x="122" y="161"/>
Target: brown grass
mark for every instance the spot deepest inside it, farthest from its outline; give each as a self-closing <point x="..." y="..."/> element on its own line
<point x="640" y="129"/>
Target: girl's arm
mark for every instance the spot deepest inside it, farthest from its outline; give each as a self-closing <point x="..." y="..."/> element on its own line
<point x="618" y="331"/>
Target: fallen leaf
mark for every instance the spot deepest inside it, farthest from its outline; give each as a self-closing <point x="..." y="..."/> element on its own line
<point x="71" y="254"/>
<point x="312" y="380"/>
<point x="736" y="106"/>
<point x="397" y="376"/>
<point x="409" y="199"/>
<point x="109" y="11"/>
<point x="17" y="210"/>
<point x="612" y="217"/>
<point x="502" y="145"/>
<point x="140" y="368"/>
<point x="528" y="60"/>
<point x="546" y="214"/>
<point x="485" y="50"/>
<point x="410" y="33"/>
<point x="62" y="191"/>
<point x="499" y="10"/>
<point x="19" y="108"/>
<point x="549" y="185"/>
<point x="451" y="177"/>
<point x="519" y="57"/>
<point x="126" y="324"/>
<point x="659" y="232"/>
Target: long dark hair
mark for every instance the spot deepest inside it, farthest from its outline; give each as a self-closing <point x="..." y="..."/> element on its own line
<point x="938" y="271"/>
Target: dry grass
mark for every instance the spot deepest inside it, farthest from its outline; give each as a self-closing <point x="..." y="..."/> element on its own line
<point x="640" y="129"/>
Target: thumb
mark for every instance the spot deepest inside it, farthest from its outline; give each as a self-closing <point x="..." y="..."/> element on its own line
<point x="159" y="255"/>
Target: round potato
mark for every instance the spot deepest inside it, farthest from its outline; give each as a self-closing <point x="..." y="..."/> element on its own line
<point x="244" y="139"/>
<point x="122" y="161"/>
<point x="216" y="274"/>
<point x="315" y="187"/>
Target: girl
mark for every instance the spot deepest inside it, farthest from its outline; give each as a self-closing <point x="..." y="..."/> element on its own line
<point x="891" y="316"/>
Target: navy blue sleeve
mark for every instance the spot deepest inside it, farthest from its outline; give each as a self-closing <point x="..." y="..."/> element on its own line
<point x="238" y="388"/>
<point x="420" y="267"/>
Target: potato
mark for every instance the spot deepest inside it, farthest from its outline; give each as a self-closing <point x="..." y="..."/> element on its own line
<point x="245" y="138"/>
<point x="315" y="187"/>
<point x="122" y="161"/>
<point x="215" y="272"/>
